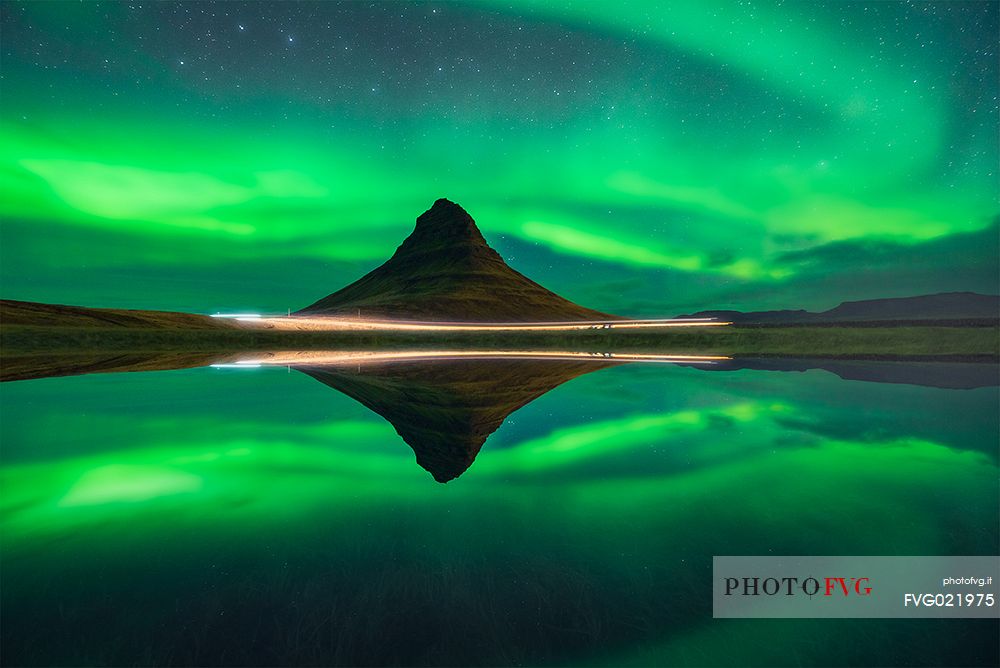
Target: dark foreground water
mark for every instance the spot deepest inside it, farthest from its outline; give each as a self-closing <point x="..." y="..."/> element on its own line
<point x="259" y="517"/>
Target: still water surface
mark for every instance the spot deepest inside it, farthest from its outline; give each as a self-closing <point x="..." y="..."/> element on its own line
<point x="259" y="517"/>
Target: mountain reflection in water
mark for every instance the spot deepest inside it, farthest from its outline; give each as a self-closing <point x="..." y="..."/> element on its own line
<point x="445" y="403"/>
<point x="251" y="516"/>
<point x="445" y="411"/>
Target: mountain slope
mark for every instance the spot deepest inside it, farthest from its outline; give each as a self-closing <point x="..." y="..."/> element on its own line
<point x="445" y="271"/>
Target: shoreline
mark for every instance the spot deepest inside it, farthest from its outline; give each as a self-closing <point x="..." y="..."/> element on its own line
<point x="28" y="328"/>
<point x="877" y="343"/>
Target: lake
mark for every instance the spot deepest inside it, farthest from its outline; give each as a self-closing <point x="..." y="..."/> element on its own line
<point x="294" y="516"/>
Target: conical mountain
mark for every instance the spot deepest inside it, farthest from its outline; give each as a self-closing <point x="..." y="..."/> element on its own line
<point x="445" y="411"/>
<point x="445" y="271"/>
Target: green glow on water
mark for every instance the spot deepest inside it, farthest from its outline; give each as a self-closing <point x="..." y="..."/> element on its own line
<point x="117" y="483"/>
<point x="202" y="499"/>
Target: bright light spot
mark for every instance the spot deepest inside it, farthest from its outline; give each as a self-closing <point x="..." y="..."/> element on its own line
<point x="120" y="483"/>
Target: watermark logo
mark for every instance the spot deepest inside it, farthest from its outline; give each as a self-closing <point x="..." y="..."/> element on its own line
<point x="790" y="586"/>
<point x="801" y="586"/>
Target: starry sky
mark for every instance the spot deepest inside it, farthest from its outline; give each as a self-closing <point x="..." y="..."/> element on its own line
<point x="639" y="158"/>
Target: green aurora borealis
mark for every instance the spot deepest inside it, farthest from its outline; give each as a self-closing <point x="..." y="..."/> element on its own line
<point x="638" y="158"/>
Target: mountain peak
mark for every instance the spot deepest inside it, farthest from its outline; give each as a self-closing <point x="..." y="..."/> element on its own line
<point x="445" y="270"/>
<point x="445" y="203"/>
<point x="447" y="219"/>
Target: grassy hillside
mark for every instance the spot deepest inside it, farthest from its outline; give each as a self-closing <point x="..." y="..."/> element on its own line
<point x="33" y="314"/>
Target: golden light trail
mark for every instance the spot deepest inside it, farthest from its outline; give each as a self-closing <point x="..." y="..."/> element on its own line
<point x="321" y="358"/>
<point x="333" y="323"/>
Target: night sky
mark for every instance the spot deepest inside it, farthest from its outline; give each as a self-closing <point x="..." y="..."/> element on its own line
<point x="640" y="159"/>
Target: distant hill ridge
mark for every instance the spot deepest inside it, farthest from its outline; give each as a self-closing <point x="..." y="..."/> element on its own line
<point x="445" y="271"/>
<point x="941" y="306"/>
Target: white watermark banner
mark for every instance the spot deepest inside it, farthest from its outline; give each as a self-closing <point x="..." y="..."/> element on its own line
<point x="855" y="586"/>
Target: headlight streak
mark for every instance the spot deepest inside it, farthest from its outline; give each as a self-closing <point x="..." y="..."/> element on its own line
<point x="333" y="358"/>
<point x="335" y="323"/>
